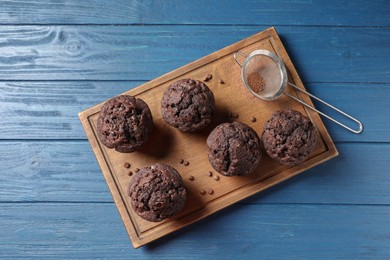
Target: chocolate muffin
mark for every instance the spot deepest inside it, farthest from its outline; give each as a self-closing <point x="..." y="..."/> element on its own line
<point x="124" y="123"/>
<point x="289" y="137"/>
<point x="157" y="192"/>
<point x="234" y="149"/>
<point x="188" y="105"/>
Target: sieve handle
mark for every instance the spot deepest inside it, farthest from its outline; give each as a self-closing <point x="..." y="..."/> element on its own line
<point x="236" y="59"/>
<point x="360" y="125"/>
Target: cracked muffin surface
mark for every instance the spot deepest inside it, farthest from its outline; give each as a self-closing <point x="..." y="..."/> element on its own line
<point x="289" y="137"/>
<point x="188" y="105"/>
<point x="157" y="192"/>
<point x="234" y="149"/>
<point x="124" y="123"/>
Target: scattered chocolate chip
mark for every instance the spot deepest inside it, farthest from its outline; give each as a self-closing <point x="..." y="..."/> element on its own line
<point x="234" y="115"/>
<point x="186" y="163"/>
<point x="210" y="191"/>
<point x="221" y="81"/>
<point x="136" y="170"/>
<point x="181" y="161"/>
<point x="253" y="119"/>
<point x="202" y="192"/>
<point x="208" y="77"/>
<point x="126" y="165"/>
<point x="216" y="177"/>
<point x="130" y="173"/>
<point x="191" y="178"/>
<point x="210" y="174"/>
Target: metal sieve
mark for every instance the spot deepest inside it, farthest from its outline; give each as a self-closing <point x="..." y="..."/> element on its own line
<point x="265" y="76"/>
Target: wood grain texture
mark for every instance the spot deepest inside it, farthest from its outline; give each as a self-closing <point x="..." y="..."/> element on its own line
<point x="260" y="12"/>
<point x="47" y="231"/>
<point x="320" y="54"/>
<point x="329" y="42"/>
<point x="67" y="171"/>
<point x="49" y="109"/>
<point x="168" y="145"/>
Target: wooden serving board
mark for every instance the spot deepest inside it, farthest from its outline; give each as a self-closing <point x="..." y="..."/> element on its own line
<point x="168" y="145"/>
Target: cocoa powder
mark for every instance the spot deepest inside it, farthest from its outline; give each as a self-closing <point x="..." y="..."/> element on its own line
<point x="256" y="82"/>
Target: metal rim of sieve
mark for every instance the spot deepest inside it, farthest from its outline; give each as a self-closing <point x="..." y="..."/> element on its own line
<point x="282" y="71"/>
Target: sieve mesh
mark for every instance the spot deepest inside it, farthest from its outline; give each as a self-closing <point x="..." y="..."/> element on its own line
<point x="262" y="75"/>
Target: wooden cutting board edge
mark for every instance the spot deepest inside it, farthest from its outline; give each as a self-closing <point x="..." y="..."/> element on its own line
<point x="250" y="189"/>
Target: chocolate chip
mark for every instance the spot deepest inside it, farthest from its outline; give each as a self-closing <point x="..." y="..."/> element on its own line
<point x="210" y="191"/>
<point x="234" y="115"/>
<point x="208" y="77"/>
<point x="136" y="170"/>
<point x="253" y="119"/>
<point x="153" y="167"/>
<point x="210" y="174"/>
<point x="130" y="173"/>
<point x="186" y="163"/>
<point x="191" y="178"/>
<point x="126" y="165"/>
<point x="202" y="192"/>
<point x="216" y="177"/>
<point x="221" y="81"/>
<point x="181" y="161"/>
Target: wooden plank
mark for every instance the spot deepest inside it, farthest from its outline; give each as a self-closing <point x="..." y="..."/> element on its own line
<point x="47" y="231"/>
<point x="324" y="54"/>
<point x="366" y="102"/>
<point x="330" y="13"/>
<point x="50" y="171"/>
<point x="49" y="109"/>
<point x="359" y="175"/>
<point x="68" y="171"/>
<point x="226" y="191"/>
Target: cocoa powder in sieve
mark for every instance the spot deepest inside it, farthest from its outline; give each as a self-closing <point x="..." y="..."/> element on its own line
<point x="256" y="82"/>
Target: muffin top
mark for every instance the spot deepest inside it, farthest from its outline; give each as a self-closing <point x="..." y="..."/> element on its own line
<point x="289" y="137"/>
<point x="234" y="149"/>
<point x="157" y="192"/>
<point x="188" y="105"/>
<point x="124" y="123"/>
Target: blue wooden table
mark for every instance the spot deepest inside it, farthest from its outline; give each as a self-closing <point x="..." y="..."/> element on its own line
<point x="58" y="58"/>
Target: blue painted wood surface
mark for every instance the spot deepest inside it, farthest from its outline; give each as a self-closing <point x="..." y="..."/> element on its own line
<point x="60" y="57"/>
